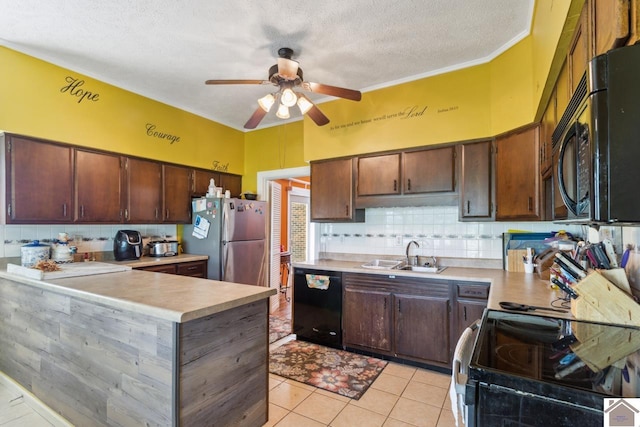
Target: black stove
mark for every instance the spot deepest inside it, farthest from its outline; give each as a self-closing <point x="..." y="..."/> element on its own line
<point x="529" y="370"/>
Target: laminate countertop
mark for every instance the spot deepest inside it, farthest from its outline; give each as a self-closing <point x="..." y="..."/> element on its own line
<point x="520" y="288"/>
<point x="166" y="296"/>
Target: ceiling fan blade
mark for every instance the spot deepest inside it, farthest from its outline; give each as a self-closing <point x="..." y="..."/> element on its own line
<point x="340" y="92"/>
<point x="288" y="68"/>
<point x="237" y="82"/>
<point x="255" y="118"/>
<point x="317" y="116"/>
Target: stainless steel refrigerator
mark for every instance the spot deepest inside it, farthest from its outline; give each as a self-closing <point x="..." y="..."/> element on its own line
<point x="232" y="233"/>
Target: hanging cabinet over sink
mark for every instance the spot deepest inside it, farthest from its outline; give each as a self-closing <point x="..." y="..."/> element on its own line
<point x="407" y="178"/>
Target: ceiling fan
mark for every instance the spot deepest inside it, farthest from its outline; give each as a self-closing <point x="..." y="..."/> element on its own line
<point x="287" y="76"/>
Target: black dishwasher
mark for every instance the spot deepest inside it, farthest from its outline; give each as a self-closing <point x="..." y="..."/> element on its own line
<point x="317" y="306"/>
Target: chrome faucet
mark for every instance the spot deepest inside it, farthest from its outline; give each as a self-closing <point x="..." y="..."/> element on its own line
<point x="415" y="259"/>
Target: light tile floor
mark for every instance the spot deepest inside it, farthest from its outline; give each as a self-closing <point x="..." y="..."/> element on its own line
<point x="401" y="396"/>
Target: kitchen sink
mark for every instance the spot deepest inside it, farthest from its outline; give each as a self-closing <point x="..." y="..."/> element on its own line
<point x="423" y="269"/>
<point x="383" y="264"/>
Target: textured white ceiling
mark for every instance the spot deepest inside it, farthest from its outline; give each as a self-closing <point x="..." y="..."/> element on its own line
<point x="166" y="49"/>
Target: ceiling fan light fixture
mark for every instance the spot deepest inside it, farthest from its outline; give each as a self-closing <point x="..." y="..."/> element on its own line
<point x="288" y="97"/>
<point x="304" y="104"/>
<point x="283" y="112"/>
<point x="266" y="102"/>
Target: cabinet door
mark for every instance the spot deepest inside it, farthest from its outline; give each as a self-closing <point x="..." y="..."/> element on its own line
<point x="429" y="171"/>
<point x="547" y="126"/>
<point x="176" y="185"/>
<point x="610" y="21"/>
<point x="233" y="183"/>
<point x="163" y="268"/>
<point x="562" y="90"/>
<point x="422" y="327"/>
<point x="379" y="175"/>
<point x="39" y="181"/>
<point x="475" y="181"/>
<point x="367" y="317"/>
<point x="192" y="269"/>
<point x="98" y="187"/>
<point x="579" y="50"/>
<point x="332" y="196"/>
<point x="468" y="312"/>
<point x="201" y="179"/>
<point x="144" y="189"/>
<point x="517" y="176"/>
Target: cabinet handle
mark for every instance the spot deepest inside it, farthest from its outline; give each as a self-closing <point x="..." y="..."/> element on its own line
<point x="64" y="210"/>
<point x="385" y="304"/>
<point x="468" y="206"/>
<point x="399" y="308"/>
<point x="81" y="211"/>
<point x="167" y="213"/>
<point x="395" y="185"/>
<point x="465" y="313"/>
<point x="192" y="268"/>
<point x="530" y="203"/>
<point x="409" y="184"/>
<point x="156" y="213"/>
<point x="346" y="210"/>
<point x="126" y="214"/>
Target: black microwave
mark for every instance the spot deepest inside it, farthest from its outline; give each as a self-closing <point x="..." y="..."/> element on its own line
<point x="596" y="145"/>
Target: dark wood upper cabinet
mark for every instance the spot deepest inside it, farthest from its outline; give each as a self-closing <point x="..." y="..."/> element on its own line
<point x="429" y="171"/>
<point x="233" y="183"/>
<point x="176" y="187"/>
<point x="517" y="175"/>
<point x="39" y="181"/>
<point x="476" y="181"/>
<point x="379" y="175"/>
<point x="98" y="185"/>
<point x="579" y="50"/>
<point x="610" y="22"/>
<point x="332" y="191"/>
<point x="201" y="180"/>
<point x="143" y="191"/>
<point x="547" y="126"/>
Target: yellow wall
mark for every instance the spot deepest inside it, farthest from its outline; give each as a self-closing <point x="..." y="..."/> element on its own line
<point x="444" y="108"/>
<point x="35" y="103"/>
<point x="278" y="147"/>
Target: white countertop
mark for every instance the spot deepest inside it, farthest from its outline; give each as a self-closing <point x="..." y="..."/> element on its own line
<point x="167" y="296"/>
<point x="520" y="288"/>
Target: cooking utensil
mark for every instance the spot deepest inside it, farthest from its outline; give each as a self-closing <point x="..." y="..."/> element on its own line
<point x="625" y="256"/>
<point x="163" y="248"/>
<point x="523" y="307"/>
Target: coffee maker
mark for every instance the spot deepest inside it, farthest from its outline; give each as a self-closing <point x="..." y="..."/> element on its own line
<point x="127" y="245"/>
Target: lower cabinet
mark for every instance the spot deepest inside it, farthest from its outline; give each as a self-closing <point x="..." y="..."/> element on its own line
<point x="192" y="268"/>
<point x="403" y="317"/>
<point x="411" y="318"/>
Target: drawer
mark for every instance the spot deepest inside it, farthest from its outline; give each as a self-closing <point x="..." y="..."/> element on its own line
<point x="165" y="268"/>
<point x="473" y="291"/>
<point x="194" y="269"/>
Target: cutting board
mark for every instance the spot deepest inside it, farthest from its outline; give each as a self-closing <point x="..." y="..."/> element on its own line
<point x="514" y="259"/>
<point x="67" y="270"/>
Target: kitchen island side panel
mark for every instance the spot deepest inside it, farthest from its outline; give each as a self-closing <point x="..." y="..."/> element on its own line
<point x="224" y="368"/>
<point x="93" y="364"/>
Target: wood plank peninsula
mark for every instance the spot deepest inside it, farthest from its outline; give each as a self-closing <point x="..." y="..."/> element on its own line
<point x="138" y="348"/>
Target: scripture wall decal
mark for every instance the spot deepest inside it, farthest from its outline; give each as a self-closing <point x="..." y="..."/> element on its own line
<point x="73" y="88"/>
<point x="411" y="112"/>
<point x="218" y="166"/>
<point x="153" y="131"/>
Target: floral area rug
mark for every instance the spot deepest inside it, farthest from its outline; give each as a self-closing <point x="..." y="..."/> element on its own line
<point x="338" y="371"/>
<point x="278" y="328"/>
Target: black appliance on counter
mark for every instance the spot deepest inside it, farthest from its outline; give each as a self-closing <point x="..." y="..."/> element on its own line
<point x="529" y="370"/>
<point x="595" y="145"/>
<point x="127" y="245"/>
<point x="317" y="306"/>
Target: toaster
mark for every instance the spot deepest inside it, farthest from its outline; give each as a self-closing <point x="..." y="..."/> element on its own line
<point x="127" y="245"/>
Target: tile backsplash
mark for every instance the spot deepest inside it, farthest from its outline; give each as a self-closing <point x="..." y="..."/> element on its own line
<point x="387" y="231"/>
<point x="88" y="238"/>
